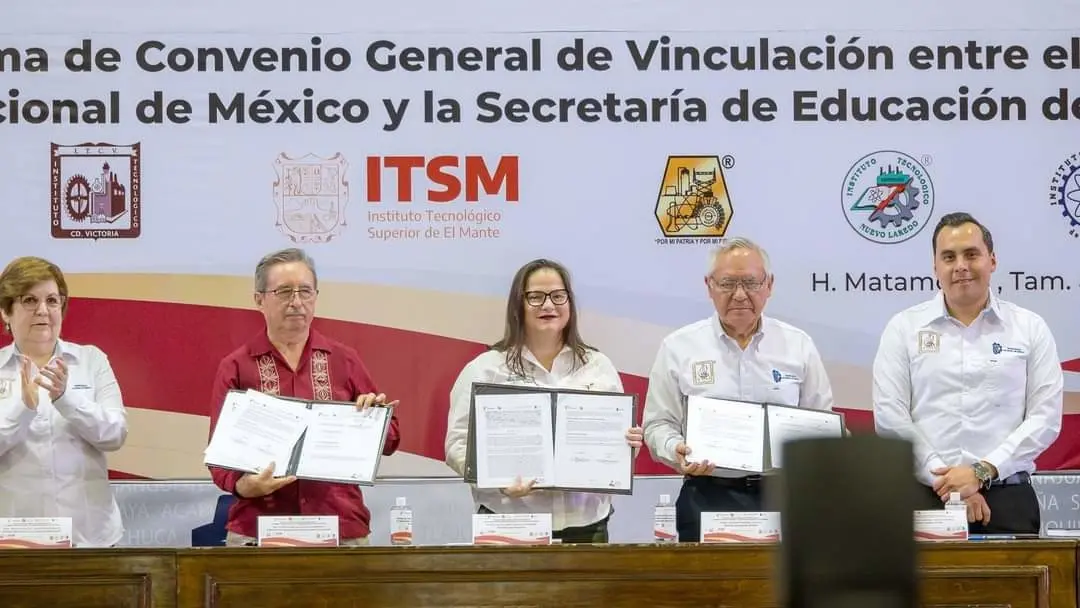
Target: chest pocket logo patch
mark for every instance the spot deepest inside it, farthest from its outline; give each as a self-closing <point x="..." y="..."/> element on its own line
<point x="704" y="372"/>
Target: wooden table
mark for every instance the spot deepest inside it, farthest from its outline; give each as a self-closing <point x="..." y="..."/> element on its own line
<point x="1036" y="574"/>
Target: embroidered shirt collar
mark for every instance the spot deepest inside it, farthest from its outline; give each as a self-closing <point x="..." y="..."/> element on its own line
<point x="261" y="345"/>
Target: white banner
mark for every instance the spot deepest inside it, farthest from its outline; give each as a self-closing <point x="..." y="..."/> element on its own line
<point x="425" y="150"/>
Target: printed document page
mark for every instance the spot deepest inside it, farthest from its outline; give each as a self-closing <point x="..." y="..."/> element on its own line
<point x="254" y="430"/>
<point x="728" y="434"/>
<point x="514" y="438"/>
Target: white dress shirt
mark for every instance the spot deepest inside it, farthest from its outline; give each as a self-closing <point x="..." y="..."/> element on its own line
<point x="52" y="461"/>
<point x="990" y="391"/>
<point x="780" y="365"/>
<point x="568" y="509"/>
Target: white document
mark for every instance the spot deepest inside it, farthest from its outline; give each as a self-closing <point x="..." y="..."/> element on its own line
<point x="342" y="443"/>
<point x="728" y="434"/>
<point x="590" y="441"/>
<point x="254" y="430"/>
<point x="514" y="438"/>
<point x="790" y="423"/>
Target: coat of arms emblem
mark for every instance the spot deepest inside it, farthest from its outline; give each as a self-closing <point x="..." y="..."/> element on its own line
<point x="311" y="193"/>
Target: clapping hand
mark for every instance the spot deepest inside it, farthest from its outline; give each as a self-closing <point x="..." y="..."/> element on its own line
<point x="29" y="387"/>
<point x="54" y="378"/>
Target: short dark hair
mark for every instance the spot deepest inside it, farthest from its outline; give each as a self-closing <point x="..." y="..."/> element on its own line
<point x="954" y="220"/>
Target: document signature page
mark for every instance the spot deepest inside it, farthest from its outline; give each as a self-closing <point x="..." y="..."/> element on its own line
<point x="342" y="443"/>
<point x="590" y="441"/>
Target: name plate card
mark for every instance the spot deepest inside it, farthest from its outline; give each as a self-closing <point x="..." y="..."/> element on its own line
<point x="749" y="527"/>
<point x="35" y="533"/>
<point x="941" y="525"/>
<point x="298" y="531"/>
<point x="511" y="529"/>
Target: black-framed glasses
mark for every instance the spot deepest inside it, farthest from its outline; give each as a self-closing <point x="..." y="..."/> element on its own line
<point x="536" y="298"/>
<point x="285" y="294"/>
<point x="31" y="302"/>
<point x="732" y="285"/>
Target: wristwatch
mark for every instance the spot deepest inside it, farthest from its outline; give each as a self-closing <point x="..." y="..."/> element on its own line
<point x="983" y="474"/>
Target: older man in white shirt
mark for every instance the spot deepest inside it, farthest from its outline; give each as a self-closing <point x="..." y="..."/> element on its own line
<point x="974" y="382"/>
<point x="737" y="353"/>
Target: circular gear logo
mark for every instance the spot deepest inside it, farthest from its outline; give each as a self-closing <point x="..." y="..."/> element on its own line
<point x="1065" y="193"/>
<point x="887" y="197"/>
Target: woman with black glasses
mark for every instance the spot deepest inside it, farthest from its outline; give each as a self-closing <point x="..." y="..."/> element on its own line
<point x="540" y="346"/>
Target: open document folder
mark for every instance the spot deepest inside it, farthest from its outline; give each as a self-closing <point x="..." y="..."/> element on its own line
<point x="749" y="437"/>
<point x="321" y="440"/>
<point x="563" y="439"/>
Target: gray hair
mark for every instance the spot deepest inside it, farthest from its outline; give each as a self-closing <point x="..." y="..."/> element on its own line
<point x="284" y="256"/>
<point x="733" y="243"/>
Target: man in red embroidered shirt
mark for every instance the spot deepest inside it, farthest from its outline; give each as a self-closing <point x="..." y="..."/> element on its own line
<point x="292" y="360"/>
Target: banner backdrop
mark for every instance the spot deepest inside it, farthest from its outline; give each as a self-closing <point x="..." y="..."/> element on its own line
<point x="423" y="152"/>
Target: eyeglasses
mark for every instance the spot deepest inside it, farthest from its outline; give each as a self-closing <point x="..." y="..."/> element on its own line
<point x="732" y="285"/>
<point x="536" y="298"/>
<point x="285" y="294"/>
<point x="31" y="303"/>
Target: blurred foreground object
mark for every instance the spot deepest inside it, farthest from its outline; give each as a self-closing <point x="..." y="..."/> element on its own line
<point x="847" y="523"/>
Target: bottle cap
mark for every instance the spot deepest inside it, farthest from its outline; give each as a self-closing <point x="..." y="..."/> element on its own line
<point x="954" y="496"/>
<point x="401" y="501"/>
<point x="665" y="498"/>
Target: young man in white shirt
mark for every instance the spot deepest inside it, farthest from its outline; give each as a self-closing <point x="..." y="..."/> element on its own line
<point x="737" y="353"/>
<point x="974" y="383"/>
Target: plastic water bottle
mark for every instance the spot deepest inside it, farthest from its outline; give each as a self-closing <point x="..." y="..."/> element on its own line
<point x="401" y="523"/>
<point x="664" y="530"/>
<point x="955" y="503"/>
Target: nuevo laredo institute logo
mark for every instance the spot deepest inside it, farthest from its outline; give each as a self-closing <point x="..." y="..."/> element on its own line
<point x="311" y="193"/>
<point x="96" y="191"/>
<point x="693" y="201"/>
<point x="888" y="196"/>
<point x="1065" y="192"/>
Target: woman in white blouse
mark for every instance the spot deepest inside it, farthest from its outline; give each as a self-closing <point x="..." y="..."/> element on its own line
<point x="60" y="411"/>
<point x="541" y="346"/>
